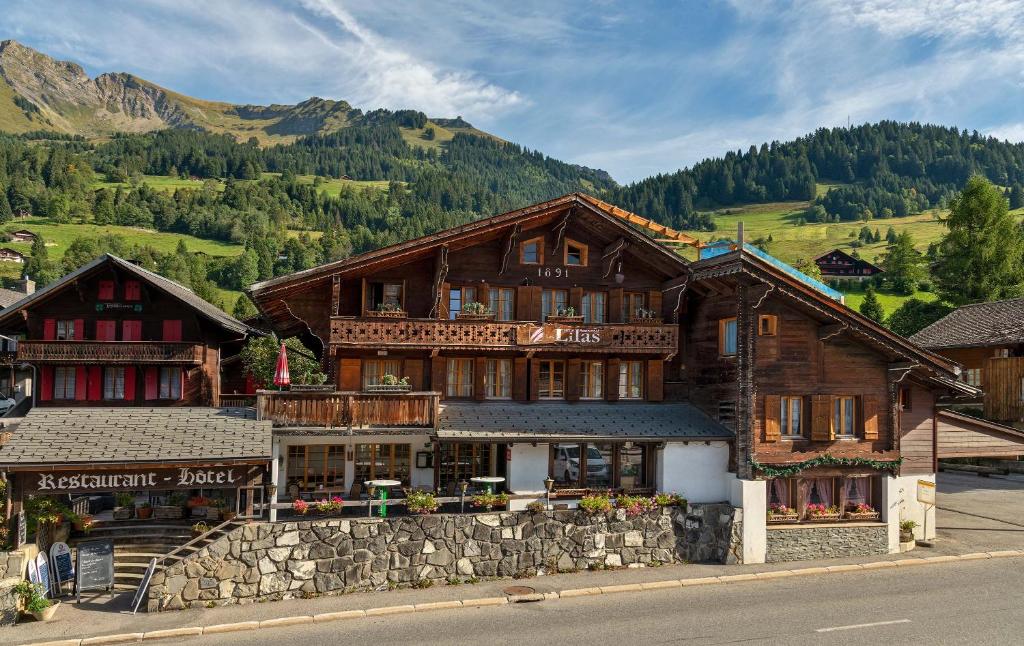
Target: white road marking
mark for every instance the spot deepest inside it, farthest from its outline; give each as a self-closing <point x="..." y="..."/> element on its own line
<point x="852" y="627"/>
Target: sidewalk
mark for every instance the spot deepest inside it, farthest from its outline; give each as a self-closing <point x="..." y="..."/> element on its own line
<point x="99" y="616"/>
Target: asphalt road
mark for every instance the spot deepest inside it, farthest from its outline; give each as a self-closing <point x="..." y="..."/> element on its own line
<point x="975" y="602"/>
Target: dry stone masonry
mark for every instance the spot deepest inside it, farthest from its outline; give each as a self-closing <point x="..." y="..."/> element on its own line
<point x="269" y="561"/>
<point x="809" y="542"/>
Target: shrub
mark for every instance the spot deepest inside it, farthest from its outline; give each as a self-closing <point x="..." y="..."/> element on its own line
<point x="596" y="503"/>
<point x="673" y="499"/>
<point x="124" y="500"/>
<point x="300" y="507"/>
<point x="391" y="380"/>
<point x="488" y="501"/>
<point x="536" y="507"/>
<point x="907" y="526"/>
<point x="421" y="502"/>
<point x="635" y="505"/>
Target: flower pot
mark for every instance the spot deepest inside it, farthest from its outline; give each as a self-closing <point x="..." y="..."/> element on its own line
<point x="389" y="388"/>
<point x="862" y="515"/>
<point x="144" y="513"/>
<point x="124" y="513"/>
<point x="168" y="512"/>
<point x="228" y="515"/>
<point x="47" y="615"/>
<point x="82" y="522"/>
<point x="777" y="519"/>
<point x="823" y="518"/>
<point x="906" y="537"/>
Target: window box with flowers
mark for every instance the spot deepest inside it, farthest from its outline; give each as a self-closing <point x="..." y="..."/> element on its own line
<point x="645" y="317"/>
<point x="779" y="513"/>
<point x="390" y="384"/>
<point x="475" y="312"/>
<point x="387" y="311"/>
<point x="820" y="513"/>
<point x="861" y="512"/>
<point x="565" y="315"/>
<point x="328" y="506"/>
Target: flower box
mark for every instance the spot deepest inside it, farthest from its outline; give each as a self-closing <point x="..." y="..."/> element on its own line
<point x="823" y="517"/>
<point x="646" y="320"/>
<point x="775" y="519"/>
<point x="564" y="319"/>
<point x="862" y="515"/>
<point x="388" y="388"/>
<point x="465" y="316"/>
<point x="124" y="513"/>
<point x="387" y="314"/>
<point x="168" y="512"/>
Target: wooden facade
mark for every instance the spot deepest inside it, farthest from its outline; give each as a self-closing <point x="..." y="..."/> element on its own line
<point x="839" y="264"/>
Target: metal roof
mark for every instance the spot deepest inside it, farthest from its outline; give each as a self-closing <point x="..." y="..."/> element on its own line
<point x="977" y="325"/>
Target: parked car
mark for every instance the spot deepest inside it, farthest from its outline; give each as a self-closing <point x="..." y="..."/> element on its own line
<point x="6" y="405"/>
<point x="567" y="463"/>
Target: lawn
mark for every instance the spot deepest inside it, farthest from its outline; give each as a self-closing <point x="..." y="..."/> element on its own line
<point x="890" y="301"/>
<point x="159" y="182"/>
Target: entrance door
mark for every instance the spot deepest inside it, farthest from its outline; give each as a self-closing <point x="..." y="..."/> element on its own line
<point x="249" y="503"/>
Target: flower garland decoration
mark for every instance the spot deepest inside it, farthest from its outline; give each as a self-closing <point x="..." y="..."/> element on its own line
<point x="768" y="471"/>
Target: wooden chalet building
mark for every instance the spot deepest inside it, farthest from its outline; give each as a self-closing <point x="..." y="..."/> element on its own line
<point x="10" y="255"/>
<point x="559" y="341"/>
<point x="127" y="367"/>
<point x="839" y="264"/>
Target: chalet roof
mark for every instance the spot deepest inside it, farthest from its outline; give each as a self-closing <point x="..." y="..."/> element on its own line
<point x="180" y="292"/>
<point x="977" y="325"/>
<point x="849" y="256"/>
<point x="9" y="297"/>
<point x="48" y="436"/>
<point x="546" y="421"/>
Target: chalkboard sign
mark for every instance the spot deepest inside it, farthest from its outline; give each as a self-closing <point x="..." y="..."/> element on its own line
<point x="43" y="567"/>
<point x="63" y="568"/>
<point x="95" y="567"/>
<point x="141" y="592"/>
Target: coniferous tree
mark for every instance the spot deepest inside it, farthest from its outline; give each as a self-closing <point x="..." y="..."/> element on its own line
<point x="871" y="307"/>
<point x="903" y="265"/>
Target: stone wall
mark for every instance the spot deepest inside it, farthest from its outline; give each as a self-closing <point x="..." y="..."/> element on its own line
<point x="268" y="561"/>
<point x="12" y="564"/>
<point x="825" y="542"/>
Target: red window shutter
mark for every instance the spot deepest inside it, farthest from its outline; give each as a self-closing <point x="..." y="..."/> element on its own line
<point x="81" y="383"/>
<point x="46" y="383"/>
<point x="172" y="330"/>
<point x="79" y="329"/>
<point x="49" y="329"/>
<point x="129" y="383"/>
<point x="106" y="290"/>
<point x="106" y="331"/>
<point x="132" y="331"/>
<point x="152" y="378"/>
<point x="132" y="291"/>
<point x="95" y="383"/>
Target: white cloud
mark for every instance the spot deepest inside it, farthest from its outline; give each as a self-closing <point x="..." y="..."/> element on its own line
<point x="1013" y="132"/>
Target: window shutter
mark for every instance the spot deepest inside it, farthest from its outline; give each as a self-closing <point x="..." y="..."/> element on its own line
<point x="821" y="415"/>
<point x="479" y="372"/>
<point x="413" y="369"/>
<point x="106" y="330"/>
<point x="654" y="301"/>
<point x="172" y="330"/>
<point x="46" y="383"/>
<point x="869" y="404"/>
<point x="132" y="291"/>
<point x="81" y="383"/>
<point x="106" y="290"/>
<point x="79" y="329"/>
<point x="721" y="337"/>
<point x="522" y="303"/>
<point x="536" y="295"/>
<point x="519" y="379"/>
<point x="772" y="411"/>
<point x="439" y="375"/>
<point x="655" y="390"/>
<point x="576" y="299"/>
<point x="131" y="330"/>
<point x="129" y="383"/>
<point x="181" y="384"/>
<point x="49" y="329"/>
<point x="95" y="383"/>
<point x="350" y="370"/>
<point x="572" y="379"/>
<point x="615" y="305"/>
<point x="152" y="382"/>
<point x="611" y="380"/>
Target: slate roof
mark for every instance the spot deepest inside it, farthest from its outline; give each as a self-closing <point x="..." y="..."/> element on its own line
<point x="582" y="421"/>
<point x="978" y="325"/>
<point x="9" y="297"/>
<point x="125" y="435"/>
<point x="180" y="292"/>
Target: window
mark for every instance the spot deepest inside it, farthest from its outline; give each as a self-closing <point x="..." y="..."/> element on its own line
<point x="599" y="464"/>
<point x="64" y="382"/>
<point x="106" y="290"/>
<point x="767" y="325"/>
<point x="632" y="472"/>
<point x="113" y="383"/>
<point x="554" y="301"/>
<point x="727" y="413"/>
<point x="727" y="337"/>
<point x="594" y="307"/>
<point x="905" y="403"/>
<point x="591" y="380"/>
<point x="132" y="290"/>
<point x="575" y="254"/>
<point x="551" y="380"/>
<point x="498" y="380"/>
<point x="606" y="465"/>
<point x="1001" y="353"/>
<point x="843" y="416"/>
<point x="382" y="461"/>
<point x="316" y="465"/>
<point x="779" y="494"/>
<point x="632" y="305"/>
<point x="170" y="383"/>
<point x="791" y="418"/>
<point x="819" y="491"/>
<point x="375" y="369"/>
<point x="1021" y="391"/>
<point x="502" y="302"/>
<point x="972" y="377"/>
<point x="462" y="461"/>
<point x="631" y="380"/>
<point x="458" y="297"/>
<point x="460" y="378"/>
<point x="857" y="493"/>
<point x="66" y="331"/>
<point x="531" y="252"/>
<point x="384" y="296"/>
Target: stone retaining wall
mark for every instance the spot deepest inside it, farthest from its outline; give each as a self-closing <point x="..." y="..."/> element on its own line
<point x="824" y="542"/>
<point x="269" y="561"/>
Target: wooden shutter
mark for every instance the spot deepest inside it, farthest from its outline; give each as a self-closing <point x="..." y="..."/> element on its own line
<point x="483" y="294"/>
<point x="81" y="383"/>
<point x="522" y="303"/>
<point x="96" y="383"/>
<point x="172" y="331"/>
<point x="107" y="290"/>
<point x="442" y="309"/>
<point x="655" y="386"/>
<point x="869" y="413"/>
<point x="152" y="383"/>
<point x="572" y="379"/>
<point x="132" y="290"/>
<point x="611" y="380"/>
<point x="519" y="379"/>
<point x="439" y="375"/>
<point x="536" y="296"/>
<point x="821" y="416"/>
<point x="132" y="330"/>
<point x="49" y="329"/>
<point x="129" y="383"/>
<point x="46" y="383"/>
<point x="79" y="329"/>
<point x="534" y="378"/>
<point x="654" y="301"/>
<point x="479" y="372"/>
<point x="413" y="369"/>
<point x="350" y="370"/>
<point x="106" y="330"/>
<point x="576" y="299"/>
<point x="772" y="411"/>
<point x="615" y="305"/>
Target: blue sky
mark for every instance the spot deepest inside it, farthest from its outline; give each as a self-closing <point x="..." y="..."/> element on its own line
<point x="636" y="87"/>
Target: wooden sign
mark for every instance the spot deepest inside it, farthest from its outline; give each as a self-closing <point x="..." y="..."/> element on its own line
<point x="141" y="592"/>
<point x="551" y="334"/>
<point x="43" y="567"/>
<point x="95" y="567"/>
<point x="63" y="568"/>
<point x="925" y="492"/>
<point x="222" y="477"/>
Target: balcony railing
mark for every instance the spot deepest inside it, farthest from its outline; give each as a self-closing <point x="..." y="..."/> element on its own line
<point x="109" y="352"/>
<point x="348" y="409"/>
<point x="618" y="338"/>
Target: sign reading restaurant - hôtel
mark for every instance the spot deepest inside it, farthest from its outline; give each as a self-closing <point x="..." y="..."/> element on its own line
<point x="219" y="477"/>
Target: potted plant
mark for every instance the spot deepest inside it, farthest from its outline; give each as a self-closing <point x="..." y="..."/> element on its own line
<point x="821" y="513"/>
<point x="144" y="511"/>
<point x="328" y="506"/>
<point x="780" y="513"/>
<point x="596" y="503"/>
<point x="34" y="601"/>
<point x="226" y="513"/>
<point x="300" y="507"/>
<point x="565" y="314"/>
<point x="390" y="384"/>
<point x="199" y="529"/>
<point x="173" y="510"/>
<point x="907" y="530"/>
<point x="475" y="311"/>
<point x="861" y="511"/>
<point x="488" y="501"/>
<point x="82" y="523"/>
<point x="421" y="502"/>
<point x="124" y="506"/>
<point x="387" y="311"/>
<point x="645" y="317"/>
<point x="536" y="507"/>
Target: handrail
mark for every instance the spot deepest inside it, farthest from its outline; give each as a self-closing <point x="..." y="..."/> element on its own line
<point x="126" y="351"/>
<point x="201" y="537"/>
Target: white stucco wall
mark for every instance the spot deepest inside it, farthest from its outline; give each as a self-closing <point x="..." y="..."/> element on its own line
<point x="699" y="472"/>
<point x="901" y="504"/>
<point x="527" y="468"/>
<point x="750" y="497"/>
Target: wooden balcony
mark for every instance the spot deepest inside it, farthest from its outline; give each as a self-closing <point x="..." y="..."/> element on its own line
<point x="348" y="409"/>
<point x="427" y="334"/>
<point x="109" y="352"/>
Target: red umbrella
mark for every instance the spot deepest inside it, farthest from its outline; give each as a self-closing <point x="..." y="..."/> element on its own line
<point x="281" y="377"/>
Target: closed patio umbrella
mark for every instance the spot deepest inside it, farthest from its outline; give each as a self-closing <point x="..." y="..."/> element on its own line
<point x="281" y="377"/>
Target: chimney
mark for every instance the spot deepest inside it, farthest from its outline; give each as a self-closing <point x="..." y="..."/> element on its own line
<point x="25" y="285"/>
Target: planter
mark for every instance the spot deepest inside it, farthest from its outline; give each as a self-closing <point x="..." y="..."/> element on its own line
<point x="461" y="316"/>
<point x="564" y="319"/>
<point x="168" y="512"/>
<point x="47" y="615"/>
<point x="228" y="515"/>
<point x="124" y="513"/>
<point x="311" y="388"/>
<point x="906" y="537"/>
<point x="389" y="388"/>
<point x="646" y="321"/>
<point x="863" y="515"/>
<point x="823" y="518"/>
<point x="395" y="314"/>
<point x="778" y="519"/>
<point x="82" y="522"/>
<point x="144" y="513"/>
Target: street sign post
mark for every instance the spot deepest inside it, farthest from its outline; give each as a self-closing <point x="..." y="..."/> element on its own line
<point x="926" y="496"/>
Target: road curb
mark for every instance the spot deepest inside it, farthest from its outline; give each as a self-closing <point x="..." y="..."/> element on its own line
<point x="480" y="602"/>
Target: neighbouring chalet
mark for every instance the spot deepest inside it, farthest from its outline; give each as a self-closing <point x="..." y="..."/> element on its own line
<point x="23" y="235"/>
<point x="839" y="264"/>
<point x="10" y="255"/>
<point x="127" y="393"/>
<point x="558" y="341"/>
<point x="15" y="377"/>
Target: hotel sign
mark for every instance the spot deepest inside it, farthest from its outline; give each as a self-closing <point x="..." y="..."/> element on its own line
<point x="138" y="479"/>
<point x="551" y="334"/>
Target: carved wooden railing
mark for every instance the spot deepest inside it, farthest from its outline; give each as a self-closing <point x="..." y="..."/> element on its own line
<point x="619" y="338"/>
<point x="109" y="352"/>
<point x="348" y="409"/>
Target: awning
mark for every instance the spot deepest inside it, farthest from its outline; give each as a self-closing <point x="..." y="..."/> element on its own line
<point x="585" y="421"/>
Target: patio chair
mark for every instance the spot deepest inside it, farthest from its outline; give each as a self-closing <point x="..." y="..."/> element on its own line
<point x="450" y="491"/>
<point x="356" y="492"/>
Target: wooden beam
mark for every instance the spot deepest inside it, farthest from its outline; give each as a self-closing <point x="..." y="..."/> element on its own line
<point x="510" y="247"/>
<point x="559" y="232"/>
<point x="440" y="275"/>
<point x="826" y="332"/>
<point x="611" y="257"/>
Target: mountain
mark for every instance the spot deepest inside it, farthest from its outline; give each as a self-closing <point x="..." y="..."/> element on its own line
<point x="38" y="92"/>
